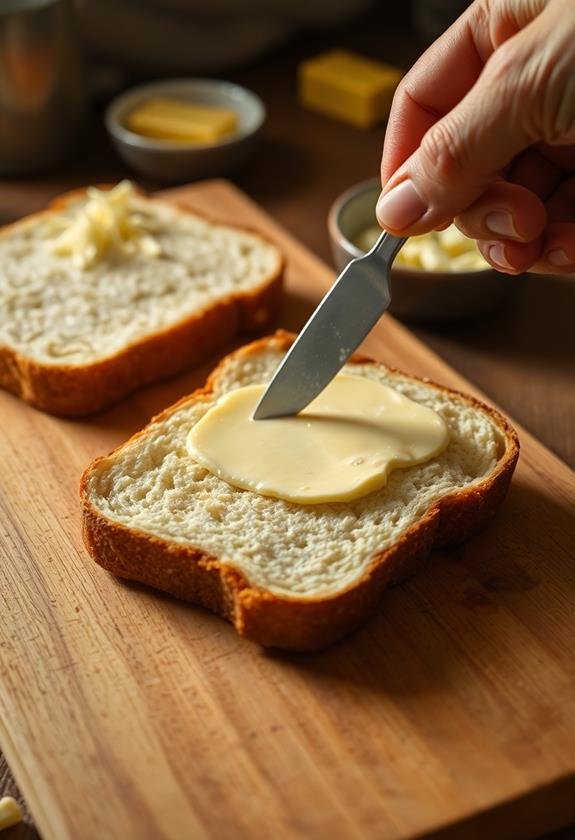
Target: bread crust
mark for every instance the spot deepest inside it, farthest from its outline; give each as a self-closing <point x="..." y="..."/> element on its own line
<point x="290" y="622"/>
<point x="79" y="390"/>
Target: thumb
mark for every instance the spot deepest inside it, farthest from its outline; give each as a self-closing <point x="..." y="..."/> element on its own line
<point x="464" y="151"/>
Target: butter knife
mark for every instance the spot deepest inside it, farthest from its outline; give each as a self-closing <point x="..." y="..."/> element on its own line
<point x="347" y="313"/>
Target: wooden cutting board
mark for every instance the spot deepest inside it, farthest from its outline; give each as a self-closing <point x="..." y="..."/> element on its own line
<point x="126" y="714"/>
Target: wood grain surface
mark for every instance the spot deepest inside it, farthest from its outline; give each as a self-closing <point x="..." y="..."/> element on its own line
<point x="126" y="714"/>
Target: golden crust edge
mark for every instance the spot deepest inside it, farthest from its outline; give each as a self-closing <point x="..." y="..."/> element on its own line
<point x="80" y="390"/>
<point x="289" y="622"/>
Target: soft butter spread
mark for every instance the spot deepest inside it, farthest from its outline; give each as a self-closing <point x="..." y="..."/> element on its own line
<point x="105" y="220"/>
<point x="342" y="446"/>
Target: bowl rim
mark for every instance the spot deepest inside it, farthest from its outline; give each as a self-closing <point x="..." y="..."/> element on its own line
<point x="119" y="131"/>
<point x="337" y="234"/>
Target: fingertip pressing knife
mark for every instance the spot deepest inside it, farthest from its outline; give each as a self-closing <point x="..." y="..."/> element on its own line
<point x="347" y="313"/>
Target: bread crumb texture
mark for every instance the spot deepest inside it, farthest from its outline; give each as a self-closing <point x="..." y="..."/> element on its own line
<point x="308" y="551"/>
<point x="56" y="312"/>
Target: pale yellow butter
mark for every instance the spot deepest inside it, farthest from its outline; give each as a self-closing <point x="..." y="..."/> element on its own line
<point x="106" y="220"/>
<point x="349" y="87"/>
<point x="440" y="250"/>
<point x="341" y="447"/>
<point x="180" y="121"/>
<point x="10" y="812"/>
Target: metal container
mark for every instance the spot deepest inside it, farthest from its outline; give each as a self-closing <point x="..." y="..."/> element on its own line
<point x="171" y="162"/>
<point x="42" y="93"/>
<point x="416" y="295"/>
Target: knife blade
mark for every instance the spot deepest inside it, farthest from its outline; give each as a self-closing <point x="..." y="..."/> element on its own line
<point x="345" y="316"/>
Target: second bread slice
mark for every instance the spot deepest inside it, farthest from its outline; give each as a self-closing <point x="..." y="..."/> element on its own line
<point x="73" y="338"/>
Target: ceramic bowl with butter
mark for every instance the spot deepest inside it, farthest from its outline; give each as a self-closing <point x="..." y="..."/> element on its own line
<point x="438" y="277"/>
<point x="143" y="124"/>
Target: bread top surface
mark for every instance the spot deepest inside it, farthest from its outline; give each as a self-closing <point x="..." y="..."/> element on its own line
<point x="151" y="484"/>
<point x="56" y="312"/>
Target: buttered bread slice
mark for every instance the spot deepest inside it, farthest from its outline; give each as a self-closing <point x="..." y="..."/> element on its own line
<point x="109" y="290"/>
<point x="294" y="576"/>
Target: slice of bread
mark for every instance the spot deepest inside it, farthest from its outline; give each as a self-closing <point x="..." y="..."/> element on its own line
<point x="287" y="575"/>
<point x="75" y="339"/>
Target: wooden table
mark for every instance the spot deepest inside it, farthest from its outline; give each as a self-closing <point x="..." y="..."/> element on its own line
<point x="522" y="356"/>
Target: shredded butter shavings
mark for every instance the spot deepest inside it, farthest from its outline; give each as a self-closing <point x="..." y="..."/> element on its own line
<point x="443" y="250"/>
<point x="104" y="222"/>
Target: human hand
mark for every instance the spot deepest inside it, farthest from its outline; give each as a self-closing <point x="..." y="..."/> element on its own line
<point x="482" y="132"/>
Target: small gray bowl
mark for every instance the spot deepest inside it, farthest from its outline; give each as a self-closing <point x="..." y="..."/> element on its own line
<point x="416" y="295"/>
<point x="171" y="162"/>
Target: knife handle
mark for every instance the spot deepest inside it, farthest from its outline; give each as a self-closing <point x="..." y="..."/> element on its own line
<point x="387" y="247"/>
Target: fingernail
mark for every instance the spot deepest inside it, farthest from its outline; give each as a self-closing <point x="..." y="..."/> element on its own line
<point x="497" y="255"/>
<point x="400" y="207"/>
<point x="501" y="222"/>
<point x="558" y="257"/>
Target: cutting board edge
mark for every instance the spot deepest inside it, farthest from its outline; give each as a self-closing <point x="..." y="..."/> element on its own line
<point x="536" y="804"/>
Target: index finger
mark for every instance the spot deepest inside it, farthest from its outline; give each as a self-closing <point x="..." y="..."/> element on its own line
<point x="438" y="80"/>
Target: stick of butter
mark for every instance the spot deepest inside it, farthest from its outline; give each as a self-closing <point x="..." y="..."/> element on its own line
<point x="349" y="87"/>
<point x="180" y="121"/>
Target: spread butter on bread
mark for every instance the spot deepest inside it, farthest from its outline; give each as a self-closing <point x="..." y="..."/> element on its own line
<point x="289" y="575"/>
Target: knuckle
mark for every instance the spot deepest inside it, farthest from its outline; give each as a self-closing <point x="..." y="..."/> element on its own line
<point x="536" y="84"/>
<point x="507" y="75"/>
<point x="556" y="105"/>
<point x="503" y="67"/>
<point x="484" y="15"/>
<point x="442" y="152"/>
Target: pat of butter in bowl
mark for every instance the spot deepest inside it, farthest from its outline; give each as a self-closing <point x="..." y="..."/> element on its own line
<point x="442" y="250"/>
<point x="180" y="121"/>
<point x="341" y="447"/>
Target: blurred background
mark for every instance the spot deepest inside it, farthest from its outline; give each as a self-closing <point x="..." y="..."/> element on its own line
<point x="62" y="62"/>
